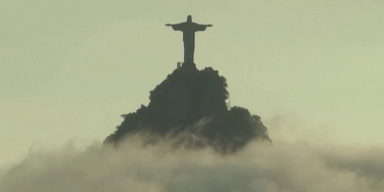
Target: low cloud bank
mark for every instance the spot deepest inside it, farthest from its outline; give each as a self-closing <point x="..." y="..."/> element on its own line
<point x="285" y="167"/>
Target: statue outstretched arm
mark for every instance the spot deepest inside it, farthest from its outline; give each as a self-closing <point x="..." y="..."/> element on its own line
<point x="199" y="27"/>
<point x="188" y="26"/>
<point x="176" y="27"/>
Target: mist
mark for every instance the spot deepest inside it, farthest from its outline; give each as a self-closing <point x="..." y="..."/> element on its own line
<point x="284" y="167"/>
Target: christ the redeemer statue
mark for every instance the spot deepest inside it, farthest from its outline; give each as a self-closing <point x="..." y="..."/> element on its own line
<point x="188" y="28"/>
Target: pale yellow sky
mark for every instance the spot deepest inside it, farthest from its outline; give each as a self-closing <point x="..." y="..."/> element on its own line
<point x="311" y="69"/>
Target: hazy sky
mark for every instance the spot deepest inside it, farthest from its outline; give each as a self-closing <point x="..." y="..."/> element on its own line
<point x="312" y="69"/>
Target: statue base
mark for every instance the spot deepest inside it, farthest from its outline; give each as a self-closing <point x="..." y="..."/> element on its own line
<point x="189" y="66"/>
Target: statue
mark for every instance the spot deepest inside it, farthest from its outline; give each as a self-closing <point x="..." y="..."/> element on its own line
<point x="188" y="28"/>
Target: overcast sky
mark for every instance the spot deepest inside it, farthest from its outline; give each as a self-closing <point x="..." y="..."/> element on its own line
<point x="313" y="70"/>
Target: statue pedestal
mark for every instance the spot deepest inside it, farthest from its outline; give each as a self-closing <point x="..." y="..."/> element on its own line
<point x="189" y="66"/>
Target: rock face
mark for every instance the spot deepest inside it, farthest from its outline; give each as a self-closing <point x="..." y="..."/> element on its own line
<point x="189" y="104"/>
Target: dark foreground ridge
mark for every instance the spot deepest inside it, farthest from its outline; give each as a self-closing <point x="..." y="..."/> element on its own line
<point x="190" y="105"/>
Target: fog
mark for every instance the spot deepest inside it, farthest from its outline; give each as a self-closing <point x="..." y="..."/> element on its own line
<point x="284" y="167"/>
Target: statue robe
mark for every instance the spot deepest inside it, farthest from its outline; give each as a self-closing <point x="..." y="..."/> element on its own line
<point x="189" y="29"/>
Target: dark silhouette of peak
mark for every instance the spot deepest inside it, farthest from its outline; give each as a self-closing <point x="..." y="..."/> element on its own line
<point x="190" y="107"/>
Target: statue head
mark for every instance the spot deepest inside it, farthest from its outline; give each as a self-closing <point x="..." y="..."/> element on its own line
<point x="189" y="18"/>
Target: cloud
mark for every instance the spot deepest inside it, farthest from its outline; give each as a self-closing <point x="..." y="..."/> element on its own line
<point x="285" y="167"/>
